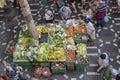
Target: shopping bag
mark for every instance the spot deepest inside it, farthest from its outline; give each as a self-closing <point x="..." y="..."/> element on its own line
<point x="106" y="18"/>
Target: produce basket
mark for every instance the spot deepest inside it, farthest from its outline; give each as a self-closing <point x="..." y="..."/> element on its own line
<point x="56" y="54"/>
<point x="70" y="59"/>
<point x="10" y="49"/>
<point x="81" y="49"/>
<point x="80" y="37"/>
<point x="70" y="66"/>
<point x="81" y="67"/>
<point x="23" y="63"/>
<point x="81" y="63"/>
<point x="42" y="64"/>
<point x="58" y="67"/>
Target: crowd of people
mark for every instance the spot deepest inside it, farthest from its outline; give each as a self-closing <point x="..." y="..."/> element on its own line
<point x="93" y="12"/>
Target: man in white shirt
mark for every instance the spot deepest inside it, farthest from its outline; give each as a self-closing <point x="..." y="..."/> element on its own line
<point x="103" y="61"/>
<point x="91" y="31"/>
<point x="65" y="12"/>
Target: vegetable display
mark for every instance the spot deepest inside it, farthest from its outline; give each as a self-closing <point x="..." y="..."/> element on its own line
<point x="57" y="39"/>
<point x="70" y="55"/>
<point x="20" y="53"/>
<point x="57" y="47"/>
<point x="81" y="49"/>
<point x="58" y="65"/>
<point x="42" y="52"/>
<point x="56" y="54"/>
<point x="82" y="60"/>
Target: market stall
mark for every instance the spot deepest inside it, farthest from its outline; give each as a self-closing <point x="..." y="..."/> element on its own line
<point x="61" y="47"/>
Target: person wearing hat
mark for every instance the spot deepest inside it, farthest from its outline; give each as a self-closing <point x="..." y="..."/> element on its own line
<point x="103" y="61"/>
<point x="65" y="12"/>
<point x="49" y="16"/>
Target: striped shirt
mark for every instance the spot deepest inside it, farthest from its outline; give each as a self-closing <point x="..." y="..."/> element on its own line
<point x="102" y="8"/>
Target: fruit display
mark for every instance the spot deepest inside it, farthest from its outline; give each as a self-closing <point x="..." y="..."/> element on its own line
<point x="46" y="72"/>
<point x="58" y="64"/>
<point x="69" y="31"/>
<point x="70" y="55"/>
<point x="26" y="41"/>
<point x="10" y="48"/>
<point x="43" y="38"/>
<point x="38" y="72"/>
<point x="42" y="29"/>
<point x="42" y="72"/>
<point x="55" y="29"/>
<point x="25" y="33"/>
<point x="56" y="54"/>
<point x="70" y="41"/>
<point x="39" y="29"/>
<point x="45" y="30"/>
<point x="81" y="36"/>
<point x="20" y="52"/>
<point x="82" y="60"/>
<point x="80" y="28"/>
<point x="81" y="49"/>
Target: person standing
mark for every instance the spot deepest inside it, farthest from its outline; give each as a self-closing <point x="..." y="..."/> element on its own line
<point x="91" y="32"/>
<point x="101" y="12"/>
<point x="14" y="3"/>
<point x="65" y="12"/>
<point x="73" y="5"/>
<point x="49" y="16"/>
<point x="103" y="61"/>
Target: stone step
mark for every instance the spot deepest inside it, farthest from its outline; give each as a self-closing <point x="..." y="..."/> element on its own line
<point x="93" y="74"/>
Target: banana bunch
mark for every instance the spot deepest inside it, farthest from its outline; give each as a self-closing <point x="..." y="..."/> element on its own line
<point x="2" y="3"/>
<point x="45" y="30"/>
<point x="39" y="29"/>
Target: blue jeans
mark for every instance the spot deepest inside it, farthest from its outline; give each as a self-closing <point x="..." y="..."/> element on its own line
<point x="100" y="22"/>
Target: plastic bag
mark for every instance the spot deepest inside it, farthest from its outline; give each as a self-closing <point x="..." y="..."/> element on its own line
<point x="106" y="18"/>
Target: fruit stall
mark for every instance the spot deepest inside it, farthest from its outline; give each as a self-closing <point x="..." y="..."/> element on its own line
<point x="60" y="48"/>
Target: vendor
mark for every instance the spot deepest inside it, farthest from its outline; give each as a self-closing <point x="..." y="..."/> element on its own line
<point x="91" y="32"/>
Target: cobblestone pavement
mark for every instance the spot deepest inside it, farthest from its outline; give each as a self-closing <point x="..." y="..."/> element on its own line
<point x="108" y="40"/>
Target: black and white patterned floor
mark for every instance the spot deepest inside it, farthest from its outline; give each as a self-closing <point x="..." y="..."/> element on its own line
<point x="108" y="40"/>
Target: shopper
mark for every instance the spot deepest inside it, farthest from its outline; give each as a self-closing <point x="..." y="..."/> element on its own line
<point x="83" y="2"/>
<point x="118" y="77"/>
<point x="65" y="12"/>
<point x="49" y="16"/>
<point x="14" y="3"/>
<point x="91" y="32"/>
<point x="73" y="5"/>
<point x="103" y="61"/>
<point x="118" y="2"/>
<point x="101" y="12"/>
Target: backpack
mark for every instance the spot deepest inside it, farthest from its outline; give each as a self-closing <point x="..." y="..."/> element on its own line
<point x="100" y="15"/>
